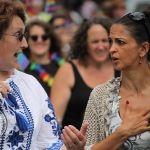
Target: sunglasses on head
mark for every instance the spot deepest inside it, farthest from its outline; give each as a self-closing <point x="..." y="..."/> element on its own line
<point x="19" y="36"/>
<point x="35" y="37"/>
<point x="140" y="17"/>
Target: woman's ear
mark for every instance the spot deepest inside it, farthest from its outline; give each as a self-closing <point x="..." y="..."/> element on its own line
<point x="145" y="47"/>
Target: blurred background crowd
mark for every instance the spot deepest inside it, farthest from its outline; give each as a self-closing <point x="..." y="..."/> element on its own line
<point x="66" y="15"/>
<point x="72" y="34"/>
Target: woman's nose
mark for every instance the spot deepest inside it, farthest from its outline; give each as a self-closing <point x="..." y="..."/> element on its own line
<point x="112" y="48"/>
<point x="24" y="43"/>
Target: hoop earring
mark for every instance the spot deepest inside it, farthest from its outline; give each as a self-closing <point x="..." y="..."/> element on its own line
<point x="140" y="62"/>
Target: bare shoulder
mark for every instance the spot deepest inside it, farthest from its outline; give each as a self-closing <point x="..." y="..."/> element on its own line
<point x="66" y="67"/>
<point x="65" y="70"/>
<point x="76" y="63"/>
<point x="65" y="74"/>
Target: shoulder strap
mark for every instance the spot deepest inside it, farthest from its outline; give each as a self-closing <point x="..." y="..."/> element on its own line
<point x="75" y="70"/>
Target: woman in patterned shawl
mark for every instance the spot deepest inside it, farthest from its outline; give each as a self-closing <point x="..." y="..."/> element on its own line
<point x="118" y="112"/>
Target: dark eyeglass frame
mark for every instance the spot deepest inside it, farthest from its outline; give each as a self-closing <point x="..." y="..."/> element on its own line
<point x="20" y="36"/>
<point x="35" y="37"/>
<point x="140" y="17"/>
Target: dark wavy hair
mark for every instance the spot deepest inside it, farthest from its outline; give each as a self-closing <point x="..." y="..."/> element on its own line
<point x="137" y="28"/>
<point x="55" y="43"/>
<point x="56" y="16"/>
<point x="79" y="46"/>
<point x="8" y="9"/>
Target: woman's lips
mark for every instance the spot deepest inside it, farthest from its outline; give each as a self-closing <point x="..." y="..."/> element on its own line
<point x="114" y="59"/>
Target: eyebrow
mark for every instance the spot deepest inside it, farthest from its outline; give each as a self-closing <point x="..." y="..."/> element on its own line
<point x="19" y="29"/>
<point x="119" y="38"/>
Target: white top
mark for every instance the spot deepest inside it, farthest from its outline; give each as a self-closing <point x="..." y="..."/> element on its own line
<point x="138" y="142"/>
<point x="35" y="106"/>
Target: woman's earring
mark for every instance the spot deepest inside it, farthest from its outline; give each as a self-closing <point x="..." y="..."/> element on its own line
<point x="140" y="61"/>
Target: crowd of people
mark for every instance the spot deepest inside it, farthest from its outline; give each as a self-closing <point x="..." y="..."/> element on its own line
<point x="87" y="83"/>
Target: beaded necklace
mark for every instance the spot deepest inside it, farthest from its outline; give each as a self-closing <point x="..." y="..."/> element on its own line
<point x="43" y="74"/>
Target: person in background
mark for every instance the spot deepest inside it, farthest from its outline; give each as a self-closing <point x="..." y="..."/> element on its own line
<point x="27" y="118"/>
<point x="89" y="66"/>
<point x="105" y="7"/>
<point x="117" y="9"/>
<point x="58" y="22"/>
<point x="62" y="28"/>
<point x="118" y="111"/>
<point x="34" y="10"/>
<point x="44" y="52"/>
<point x="88" y="9"/>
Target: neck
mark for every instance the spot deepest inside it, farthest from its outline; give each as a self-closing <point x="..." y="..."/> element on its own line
<point x="101" y="65"/>
<point x="5" y="75"/>
<point x="40" y="59"/>
<point x="136" y="80"/>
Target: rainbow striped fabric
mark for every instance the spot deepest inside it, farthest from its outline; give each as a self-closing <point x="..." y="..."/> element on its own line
<point x="23" y="62"/>
<point x="43" y="74"/>
<point x="50" y="6"/>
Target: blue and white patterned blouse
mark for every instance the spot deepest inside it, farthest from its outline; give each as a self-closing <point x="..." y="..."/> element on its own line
<point x="137" y="142"/>
<point x="32" y="124"/>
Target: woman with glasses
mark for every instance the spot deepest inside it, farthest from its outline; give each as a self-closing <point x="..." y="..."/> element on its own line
<point x="44" y="53"/>
<point x="27" y="119"/>
<point x="118" y="111"/>
<point x="89" y="66"/>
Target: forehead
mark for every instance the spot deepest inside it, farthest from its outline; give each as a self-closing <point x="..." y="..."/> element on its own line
<point x="97" y="30"/>
<point x="119" y="31"/>
<point x="59" y="21"/>
<point x="36" y="29"/>
<point x="16" y="24"/>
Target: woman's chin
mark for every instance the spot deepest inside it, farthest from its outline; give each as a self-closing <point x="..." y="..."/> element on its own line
<point x="40" y="54"/>
<point x="117" y="68"/>
<point x="102" y="60"/>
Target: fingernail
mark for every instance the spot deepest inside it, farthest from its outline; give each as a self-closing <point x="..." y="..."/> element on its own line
<point x="127" y="102"/>
<point x="65" y="127"/>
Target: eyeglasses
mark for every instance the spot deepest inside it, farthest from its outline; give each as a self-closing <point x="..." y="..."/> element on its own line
<point x="20" y="36"/>
<point x="139" y="16"/>
<point x="59" y="26"/>
<point x="35" y="37"/>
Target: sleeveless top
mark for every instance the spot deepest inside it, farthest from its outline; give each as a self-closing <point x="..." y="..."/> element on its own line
<point x="137" y="142"/>
<point x="77" y="104"/>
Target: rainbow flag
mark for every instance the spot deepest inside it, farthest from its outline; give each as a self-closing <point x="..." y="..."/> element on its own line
<point x="29" y="10"/>
<point x="50" y="6"/>
<point x="23" y="62"/>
